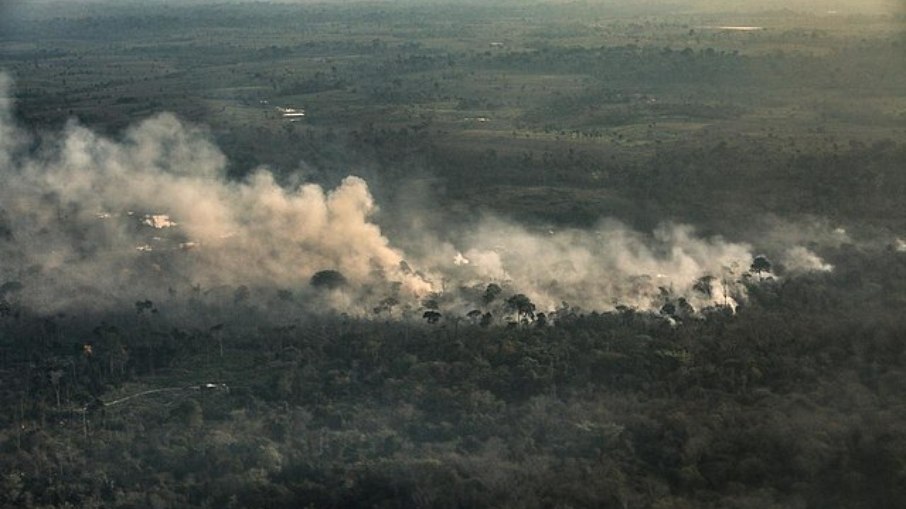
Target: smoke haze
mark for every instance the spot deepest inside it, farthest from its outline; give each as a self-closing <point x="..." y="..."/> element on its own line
<point x="90" y="221"/>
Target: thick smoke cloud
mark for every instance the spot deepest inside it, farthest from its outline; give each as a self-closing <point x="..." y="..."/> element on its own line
<point x="89" y="221"/>
<point x="605" y="267"/>
<point x="95" y="220"/>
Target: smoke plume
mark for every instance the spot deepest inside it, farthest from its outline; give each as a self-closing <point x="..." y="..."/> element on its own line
<point x="602" y="268"/>
<point x="91" y="221"/>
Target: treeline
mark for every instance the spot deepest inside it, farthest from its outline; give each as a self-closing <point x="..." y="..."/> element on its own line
<point x="797" y="400"/>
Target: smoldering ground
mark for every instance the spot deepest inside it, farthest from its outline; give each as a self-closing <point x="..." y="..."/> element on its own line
<point x="93" y="222"/>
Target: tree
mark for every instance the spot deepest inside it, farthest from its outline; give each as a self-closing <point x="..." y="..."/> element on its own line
<point x="668" y="309"/>
<point x="541" y="320"/>
<point x="683" y="308"/>
<point x="144" y="305"/>
<point x="386" y="304"/>
<point x="328" y="280"/>
<point x="522" y="305"/>
<point x="491" y="292"/>
<point x="760" y="265"/>
<point x="432" y="316"/>
<point x="703" y="285"/>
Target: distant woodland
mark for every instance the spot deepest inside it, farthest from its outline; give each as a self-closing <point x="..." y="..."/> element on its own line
<point x="773" y="128"/>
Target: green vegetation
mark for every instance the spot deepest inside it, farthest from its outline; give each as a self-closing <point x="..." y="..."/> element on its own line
<point x="605" y="104"/>
<point x="554" y="114"/>
<point x="797" y="400"/>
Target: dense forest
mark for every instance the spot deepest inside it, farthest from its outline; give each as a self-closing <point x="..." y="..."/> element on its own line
<point x="796" y="400"/>
<point x="452" y="254"/>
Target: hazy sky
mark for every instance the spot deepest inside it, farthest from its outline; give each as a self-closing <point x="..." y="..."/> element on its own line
<point x="843" y="6"/>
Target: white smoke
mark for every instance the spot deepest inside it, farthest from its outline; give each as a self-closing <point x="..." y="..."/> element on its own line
<point x="801" y="259"/>
<point x="84" y="217"/>
<point x="95" y="221"/>
<point x="601" y="268"/>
